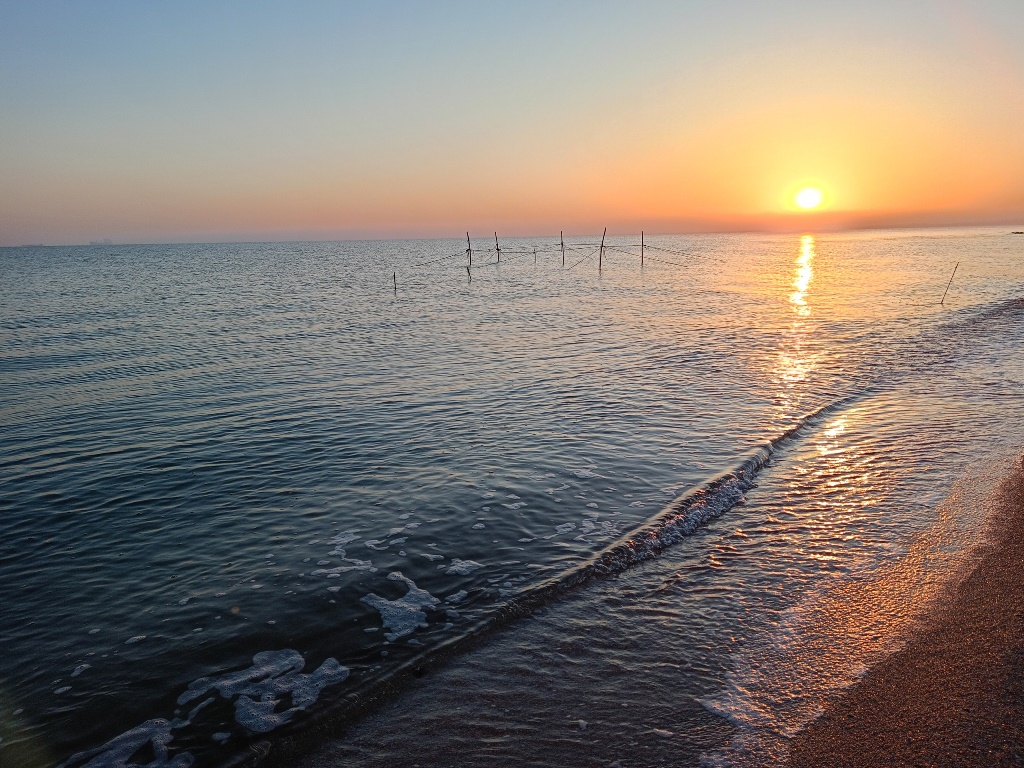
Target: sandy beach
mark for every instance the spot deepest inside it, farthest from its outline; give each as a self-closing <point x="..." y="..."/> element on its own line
<point x="954" y="695"/>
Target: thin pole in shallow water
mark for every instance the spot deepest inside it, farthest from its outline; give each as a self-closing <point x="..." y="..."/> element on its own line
<point x="561" y="240"/>
<point x="469" y="249"/>
<point x="641" y="249"/>
<point x="497" y="247"/>
<point x="600" y="257"/>
<point x="949" y="284"/>
<point x="394" y="276"/>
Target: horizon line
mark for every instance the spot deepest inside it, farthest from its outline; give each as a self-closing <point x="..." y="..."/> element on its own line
<point x="653" y="233"/>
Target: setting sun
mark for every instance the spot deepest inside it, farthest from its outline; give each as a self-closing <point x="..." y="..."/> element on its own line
<point x="808" y="198"/>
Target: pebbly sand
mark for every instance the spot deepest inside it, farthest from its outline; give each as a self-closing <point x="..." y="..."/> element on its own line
<point x="954" y="695"/>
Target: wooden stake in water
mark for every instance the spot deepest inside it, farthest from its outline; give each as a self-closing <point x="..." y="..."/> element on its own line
<point x="949" y="284"/>
<point x="394" y="276"/>
<point x="469" y="249"/>
<point x="600" y="256"/>
<point x="469" y="274"/>
<point x="641" y="249"/>
<point x="497" y="247"/>
<point x="535" y="256"/>
<point x="561" y="240"/>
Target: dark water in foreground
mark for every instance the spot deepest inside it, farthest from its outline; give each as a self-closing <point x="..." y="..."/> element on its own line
<point x="245" y="483"/>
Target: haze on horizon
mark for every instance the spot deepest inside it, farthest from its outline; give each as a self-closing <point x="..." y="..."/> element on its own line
<point x="254" y="121"/>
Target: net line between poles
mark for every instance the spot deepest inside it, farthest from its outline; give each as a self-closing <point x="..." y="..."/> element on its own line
<point x="556" y="249"/>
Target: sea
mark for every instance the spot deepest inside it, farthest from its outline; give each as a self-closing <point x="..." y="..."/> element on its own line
<point x="388" y="503"/>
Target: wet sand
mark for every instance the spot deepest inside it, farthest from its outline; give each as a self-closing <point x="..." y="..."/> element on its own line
<point x="954" y="695"/>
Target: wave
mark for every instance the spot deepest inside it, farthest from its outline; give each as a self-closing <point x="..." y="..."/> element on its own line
<point x="275" y="678"/>
<point x="677" y="521"/>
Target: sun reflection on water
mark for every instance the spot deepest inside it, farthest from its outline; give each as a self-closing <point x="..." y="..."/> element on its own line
<point x="804" y="275"/>
<point x="796" y="359"/>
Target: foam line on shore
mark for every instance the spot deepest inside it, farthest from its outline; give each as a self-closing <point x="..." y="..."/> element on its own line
<point x="677" y="521"/>
<point x="954" y="693"/>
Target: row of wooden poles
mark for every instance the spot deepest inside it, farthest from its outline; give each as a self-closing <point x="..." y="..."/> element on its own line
<point x="600" y="257"/>
<point x="562" y="247"/>
<point x="561" y="243"/>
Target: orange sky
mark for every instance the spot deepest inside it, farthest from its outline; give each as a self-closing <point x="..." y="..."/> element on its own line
<point x="168" y="125"/>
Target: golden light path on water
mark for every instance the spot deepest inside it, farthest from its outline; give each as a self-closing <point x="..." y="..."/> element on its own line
<point x="804" y="275"/>
<point x="795" y="360"/>
<point x="845" y="623"/>
<point x="828" y="511"/>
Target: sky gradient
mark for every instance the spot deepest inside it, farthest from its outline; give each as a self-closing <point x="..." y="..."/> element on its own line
<point x="145" y="122"/>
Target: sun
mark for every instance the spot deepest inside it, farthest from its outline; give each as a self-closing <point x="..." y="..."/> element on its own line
<point x="809" y="198"/>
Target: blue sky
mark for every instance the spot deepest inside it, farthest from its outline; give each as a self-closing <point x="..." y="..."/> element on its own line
<point x="180" y="121"/>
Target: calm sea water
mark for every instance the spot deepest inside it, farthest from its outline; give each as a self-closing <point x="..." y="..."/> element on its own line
<point x="246" y="485"/>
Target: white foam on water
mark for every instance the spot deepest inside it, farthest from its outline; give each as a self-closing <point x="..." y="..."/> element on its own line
<point x="80" y="669"/>
<point x="340" y="540"/>
<point x="261" y="687"/>
<point x="432" y="558"/>
<point x="783" y="678"/>
<point x="406" y="614"/>
<point x="457" y="597"/>
<point x="199" y="708"/>
<point x="118" y="751"/>
<point x="353" y="565"/>
<point x="462" y="567"/>
<point x="565" y="527"/>
<point x="133" y="640"/>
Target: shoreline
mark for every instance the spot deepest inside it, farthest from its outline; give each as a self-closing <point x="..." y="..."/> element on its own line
<point x="954" y="695"/>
